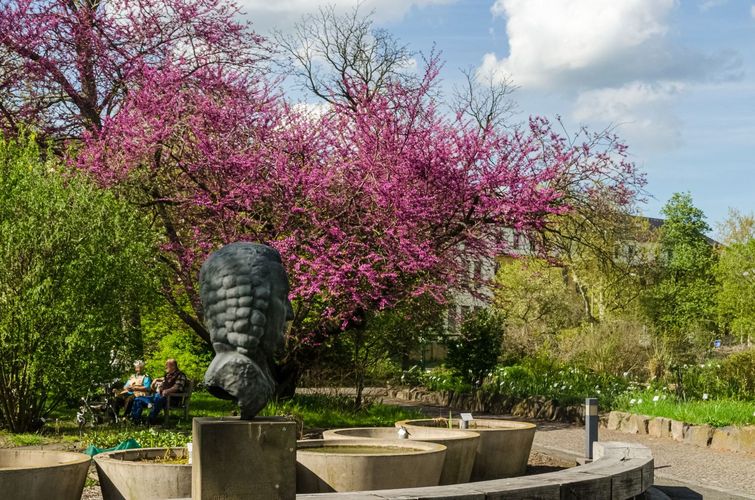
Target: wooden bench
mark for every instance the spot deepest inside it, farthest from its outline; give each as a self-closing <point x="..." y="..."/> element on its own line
<point x="178" y="401"/>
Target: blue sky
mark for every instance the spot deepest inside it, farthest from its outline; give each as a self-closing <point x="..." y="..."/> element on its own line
<point x="674" y="77"/>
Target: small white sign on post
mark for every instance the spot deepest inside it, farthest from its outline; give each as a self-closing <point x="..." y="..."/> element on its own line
<point x="465" y="419"/>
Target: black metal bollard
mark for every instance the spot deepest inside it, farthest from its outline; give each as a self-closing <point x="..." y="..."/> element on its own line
<point x="591" y="425"/>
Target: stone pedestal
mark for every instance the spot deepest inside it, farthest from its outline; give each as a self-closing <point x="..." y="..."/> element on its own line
<point x="244" y="459"/>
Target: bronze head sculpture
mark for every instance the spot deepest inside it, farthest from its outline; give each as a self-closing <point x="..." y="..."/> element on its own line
<point x="244" y="292"/>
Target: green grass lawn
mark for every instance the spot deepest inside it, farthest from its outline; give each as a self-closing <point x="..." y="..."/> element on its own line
<point x="717" y="413"/>
<point x="311" y="411"/>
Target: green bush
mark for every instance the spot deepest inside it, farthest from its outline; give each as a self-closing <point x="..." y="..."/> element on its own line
<point x="474" y="353"/>
<point x="441" y="379"/>
<point x="321" y="411"/>
<point x="738" y="370"/>
<point x="76" y="268"/>
<point x="732" y="377"/>
<point x="166" y="336"/>
<point x="147" y="438"/>
<point x="567" y="384"/>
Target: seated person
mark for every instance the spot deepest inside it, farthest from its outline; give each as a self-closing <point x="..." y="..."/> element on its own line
<point x="173" y="382"/>
<point x="138" y="385"/>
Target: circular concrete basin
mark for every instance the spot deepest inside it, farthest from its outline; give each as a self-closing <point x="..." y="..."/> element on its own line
<point x="328" y="465"/>
<point x="130" y="474"/>
<point x="35" y="474"/>
<point x="460" y="446"/>
<point x="502" y="451"/>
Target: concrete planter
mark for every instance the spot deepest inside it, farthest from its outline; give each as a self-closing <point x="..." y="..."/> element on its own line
<point x="123" y="476"/>
<point x="36" y="474"/>
<point x="503" y="449"/>
<point x="460" y="446"/>
<point x="394" y="464"/>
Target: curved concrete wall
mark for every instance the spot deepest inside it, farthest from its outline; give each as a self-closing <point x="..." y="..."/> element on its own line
<point x="122" y="476"/>
<point x="35" y="474"/>
<point x="620" y="471"/>
<point x="460" y="446"/>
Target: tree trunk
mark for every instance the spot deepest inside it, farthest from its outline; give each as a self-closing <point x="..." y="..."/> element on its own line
<point x="286" y="375"/>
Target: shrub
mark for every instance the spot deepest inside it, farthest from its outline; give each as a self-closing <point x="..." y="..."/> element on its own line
<point x="473" y="354"/>
<point x="614" y="346"/>
<point x="168" y="337"/>
<point x="546" y="378"/>
<point x="75" y="269"/>
<point x="441" y="379"/>
<point x="738" y="370"/>
<point x="732" y="377"/>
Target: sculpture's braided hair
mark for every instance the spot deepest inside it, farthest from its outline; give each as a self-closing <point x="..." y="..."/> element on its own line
<point x="235" y="288"/>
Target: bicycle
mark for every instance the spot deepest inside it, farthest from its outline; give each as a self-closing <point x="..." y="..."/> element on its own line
<point x="93" y="413"/>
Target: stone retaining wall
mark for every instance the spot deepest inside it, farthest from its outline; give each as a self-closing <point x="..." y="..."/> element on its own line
<point x="531" y="407"/>
<point x="731" y="438"/>
<point x="620" y="471"/>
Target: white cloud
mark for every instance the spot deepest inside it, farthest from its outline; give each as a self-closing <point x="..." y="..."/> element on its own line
<point x="641" y="112"/>
<point x="282" y="14"/>
<point x="613" y="59"/>
<point x="752" y="11"/>
<point x="710" y="4"/>
<point x="553" y="41"/>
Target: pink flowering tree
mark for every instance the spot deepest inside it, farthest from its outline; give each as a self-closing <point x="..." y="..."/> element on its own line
<point x="68" y="64"/>
<point x="369" y="204"/>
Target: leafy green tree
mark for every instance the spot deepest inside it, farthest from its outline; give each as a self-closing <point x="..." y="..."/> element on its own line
<point x="736" y="275"/>
<point x="474" y="352"/>
<point x="167" y="336"/>
<point x="736" y="297"/>
<point x="387" y="338"/>
<point x="681" y="304"/>
<point x="74" y="266"/>
<point x="536" y="302"/>
<point x="736" y="228"/>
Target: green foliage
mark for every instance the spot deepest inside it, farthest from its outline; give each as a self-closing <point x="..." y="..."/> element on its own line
<point x="375" y="351"/>
<point x="474" y="352"/>
<point x="439" y="379"/>
<point x="75" y="268"/>
<point x="147" y="438"/>
<point x="736" y="297"/>
<point x="732" y="377"/>
<point x="567" y="384"/>
<point x="26" y="439"/>
<point x="321" y="411"/>
<point x="660" y="403"/>
<point x="166" y="336"/>
<point x="537" y="377"/>
<point x="536" y="303"/>
<point x="613" y="346"/>
<point x="682" y="302"/>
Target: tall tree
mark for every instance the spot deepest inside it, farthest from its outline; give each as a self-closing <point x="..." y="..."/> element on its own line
<point x="735" y="272"/>
<point x="369" y="202"/>
<point x="68" y="64"/>
<point x="681" y="304"/>
<point x="736" y="228"/>
<point x="74" y="261"/>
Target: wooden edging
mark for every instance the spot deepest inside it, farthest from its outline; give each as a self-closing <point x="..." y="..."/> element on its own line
<point x="620" y="471"/>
